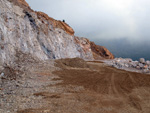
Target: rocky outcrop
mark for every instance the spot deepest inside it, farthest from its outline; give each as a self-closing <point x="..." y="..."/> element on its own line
<point x="55" y="23"/>
<point x="85" y="50"/>
<point x="21" y="3"/>
<point x="36" y="33"/>
<point x="100" y="52"/>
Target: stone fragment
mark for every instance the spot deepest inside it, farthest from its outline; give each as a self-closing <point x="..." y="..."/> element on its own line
<point x="142" y="60"/>
<point x="137" y="67"/>
<point x="141" y="65"/>
<point x="128" y="59"/>
<point x="133" y="64"/>
<point x="145" y="67"/>
<point x="2" y="75"/>
<point x="148" y="62"/>
<point x="146" y="71"/>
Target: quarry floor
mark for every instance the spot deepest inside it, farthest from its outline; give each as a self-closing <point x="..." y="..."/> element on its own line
<point x="56" y="87"/>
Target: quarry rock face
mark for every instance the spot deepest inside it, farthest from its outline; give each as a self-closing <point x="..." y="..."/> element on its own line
<point x="22" y="29"/>
<point x="100" y="52"/>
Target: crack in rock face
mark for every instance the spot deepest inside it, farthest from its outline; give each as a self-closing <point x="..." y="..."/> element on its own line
<point x="31" y="19"/>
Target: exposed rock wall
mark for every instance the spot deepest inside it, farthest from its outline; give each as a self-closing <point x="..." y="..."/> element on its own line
<point x="100" y="52"/>
<point x="55" y="23"/>
<point x="36" y="33"/>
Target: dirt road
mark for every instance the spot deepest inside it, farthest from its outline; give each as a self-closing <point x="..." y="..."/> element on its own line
<point x="112" y="90"/>
<point x="76" y="86"/>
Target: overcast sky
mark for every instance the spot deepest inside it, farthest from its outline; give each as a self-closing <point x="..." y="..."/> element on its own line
<point x="98" y="19"/>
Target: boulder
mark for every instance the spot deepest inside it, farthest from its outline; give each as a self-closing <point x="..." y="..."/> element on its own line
<point x="146" y="71"/>
<point x="133" y="64"/>
<point x="137" y="67"/>
<point x="145" y="67"/>
<point x="2" y="75"/>
<point x="141" y="65"/>
<point x="148" y="62"/>
<point x="128" y="59"/>
<point x="142" y="60"/>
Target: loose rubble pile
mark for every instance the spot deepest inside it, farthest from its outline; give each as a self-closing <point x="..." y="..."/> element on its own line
<point x="129" y="64"/>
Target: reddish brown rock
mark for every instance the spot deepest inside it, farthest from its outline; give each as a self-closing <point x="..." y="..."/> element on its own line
<point x="100" y="52"/>
<point x="55" y="23"/>
<point x="84" y="43"/>
<point x="21" y="3"/>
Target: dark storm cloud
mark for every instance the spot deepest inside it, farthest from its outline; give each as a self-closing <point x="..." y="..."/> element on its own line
<point x="98" y="19"/>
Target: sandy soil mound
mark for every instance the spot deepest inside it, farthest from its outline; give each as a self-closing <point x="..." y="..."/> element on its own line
<point x="75" y="63"/>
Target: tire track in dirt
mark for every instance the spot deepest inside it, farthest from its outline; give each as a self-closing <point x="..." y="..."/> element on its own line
<point x="131" y="77"/>
<point x="114" y="89"/>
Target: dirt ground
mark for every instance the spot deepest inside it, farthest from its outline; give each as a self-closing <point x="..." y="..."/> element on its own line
<point x="112" y="90"/>
<point x="78" y="86"/>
